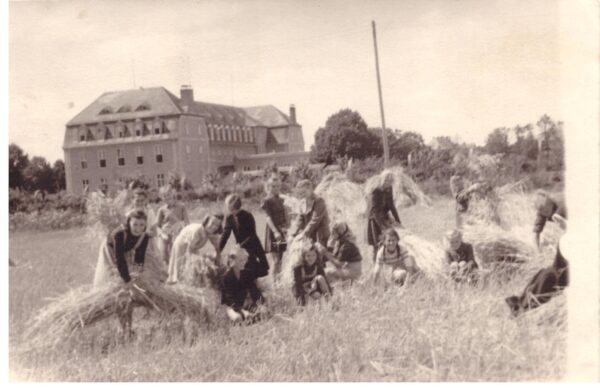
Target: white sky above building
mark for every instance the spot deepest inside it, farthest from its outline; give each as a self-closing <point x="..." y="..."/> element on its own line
<point x="456" y="68"/>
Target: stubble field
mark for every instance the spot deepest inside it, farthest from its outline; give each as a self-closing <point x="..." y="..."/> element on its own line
<point x="432" y="331"/>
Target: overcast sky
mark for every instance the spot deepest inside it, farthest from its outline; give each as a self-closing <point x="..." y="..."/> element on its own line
<point x="457" y="68"/>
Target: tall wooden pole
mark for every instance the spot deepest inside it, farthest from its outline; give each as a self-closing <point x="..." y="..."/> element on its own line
<point x="386" y="149"/>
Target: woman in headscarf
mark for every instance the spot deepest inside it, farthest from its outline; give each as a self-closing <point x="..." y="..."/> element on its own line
<point x="380" y="204"/>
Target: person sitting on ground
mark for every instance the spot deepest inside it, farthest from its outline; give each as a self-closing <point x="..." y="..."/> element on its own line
<point x="239" y="293"/>
<point x="172" y="217"/>
<point x="395" y="258"/>
<point x="380" y="204"/>
<point x="544" y="285"/>
<point x="123" y="253"/>
<point x="547" y="209"/>
<point x="310" y="281"/>
<point x="460" y="259"/>
<point x="242" y="224"/>
<point x="191" y="239"/>
<point x="277" y="225"/>
<point x="345" y="258"/>
<point x="313" y="222"/>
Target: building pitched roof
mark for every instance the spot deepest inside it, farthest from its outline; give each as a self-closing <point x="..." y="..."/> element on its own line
<point x="158" y="101"/>
<point x="268" y="116"/>
<point x="143" y="102"/>
<point x="221" y="114"/>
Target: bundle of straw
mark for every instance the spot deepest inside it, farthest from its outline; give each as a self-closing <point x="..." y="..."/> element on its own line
<point x="429" y="256"/>
<point x="500" y="229"/>
<point x="105" y="213"/>
<point x="495" y="245"/>
<point x="345" y="201"/>
<point x="85" y="306"/>
<point x="406" y="191"/>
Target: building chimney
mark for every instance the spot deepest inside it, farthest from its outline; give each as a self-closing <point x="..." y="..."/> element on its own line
<point x="293" y="114"/>
<point x="187" y="95"/>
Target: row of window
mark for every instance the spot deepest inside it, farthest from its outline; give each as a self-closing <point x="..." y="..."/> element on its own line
<point x="124" y="109"/>
<point x="121" y="130"/>
<point x="228" y="134"/>
<point x="160" y="181"/>
<point x="139" y="157"/>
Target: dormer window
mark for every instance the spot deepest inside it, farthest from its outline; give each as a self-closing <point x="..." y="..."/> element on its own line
<point x="124" y="109"/>
<point x="106" y="110"/>
<point x="143" y="107"/>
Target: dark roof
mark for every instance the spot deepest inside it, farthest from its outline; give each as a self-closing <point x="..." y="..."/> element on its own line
<point x="158" y="101"/>
<point x="268" y="116"/>
<point x="221" y="114"/>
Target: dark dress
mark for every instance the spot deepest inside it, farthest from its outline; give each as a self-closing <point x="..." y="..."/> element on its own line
<point x="347" y="251"/>
<point x="316" y="222"/>
<point x="235" y="291"/>
<point x="120" y="242"/>
<point x="379" y="204"/>
<point x="544" y="285"/>
<point x="303" y="277"/>
<point x="243" y="227"/>
<point x="274" y="208"/>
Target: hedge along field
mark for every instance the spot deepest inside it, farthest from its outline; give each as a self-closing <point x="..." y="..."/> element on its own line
<point x="434" y="331"/>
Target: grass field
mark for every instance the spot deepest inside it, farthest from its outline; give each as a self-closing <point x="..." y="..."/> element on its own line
<point x="433" y="331"/>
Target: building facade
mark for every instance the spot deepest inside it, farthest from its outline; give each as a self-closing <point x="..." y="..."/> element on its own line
<point x="150" y="132"/>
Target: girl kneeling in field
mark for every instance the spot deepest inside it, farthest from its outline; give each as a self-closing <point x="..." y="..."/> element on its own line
<point x="309" y="277"/>
<point x="345" y="258"/>
<point x="460" y="260"/>
<point x="123" y="253"/>
<point x="191" y="239"/>
<point x="239" y="293"/>
<point x="394" y="257"/>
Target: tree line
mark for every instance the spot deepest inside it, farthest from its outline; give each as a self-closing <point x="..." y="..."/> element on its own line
<point x="35" y="173"/>
<point x="519" y="150"/>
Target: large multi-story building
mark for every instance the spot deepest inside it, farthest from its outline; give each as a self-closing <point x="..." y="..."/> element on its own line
<point x="151" y="132"/>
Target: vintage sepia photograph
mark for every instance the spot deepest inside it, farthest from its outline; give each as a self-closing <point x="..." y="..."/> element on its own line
<point x="302" y="191"/>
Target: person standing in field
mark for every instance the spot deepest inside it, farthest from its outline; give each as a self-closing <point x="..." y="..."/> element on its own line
<point x="239" y="293"/>
<point x="463" y="194"/>
<point x="243" y="226"/>
<point x="172" y="217"/>
<point x="123" y="253"/>
<point x="395" y="259"/>
<point x="310" y="281"/>
<point x="380" y="204"/>
<point x="547" y="209"/>
<point x="190" y="240"/>
<point x="345" y="257"/>
<point x="313" y="222"/>
<point x="277" y="225"/>
<point x="460" y="259"/>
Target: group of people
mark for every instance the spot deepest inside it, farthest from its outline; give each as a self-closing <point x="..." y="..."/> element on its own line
<point x="168" y="241"/>
<point x="547" y="282"/>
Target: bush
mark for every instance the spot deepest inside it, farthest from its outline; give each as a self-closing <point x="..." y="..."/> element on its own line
<point x="47" y="220"/>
